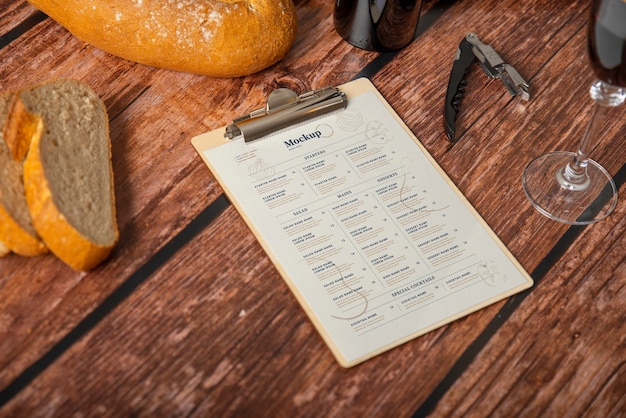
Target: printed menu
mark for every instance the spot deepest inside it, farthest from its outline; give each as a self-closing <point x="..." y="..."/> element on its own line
<point x="371" y="236"/>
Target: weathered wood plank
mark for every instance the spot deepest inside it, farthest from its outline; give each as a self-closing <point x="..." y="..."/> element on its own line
<point x="13" y="14"/>
<point x="234" y="342"/>
<point x="563" y="353"/>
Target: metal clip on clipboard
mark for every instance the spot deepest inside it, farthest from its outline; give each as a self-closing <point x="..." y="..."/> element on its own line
<point x="285" y="108"/>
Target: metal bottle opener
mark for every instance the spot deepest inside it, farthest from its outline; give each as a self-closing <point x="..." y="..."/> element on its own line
<point x="493" y="65"/>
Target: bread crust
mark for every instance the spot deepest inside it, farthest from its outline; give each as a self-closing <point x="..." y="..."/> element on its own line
<point x="4" y="250"/>
<point x="19" y="128"/>
<point x="227" y="38"/>
<point x="55" y="230"/>
<point x="18" y="240"/>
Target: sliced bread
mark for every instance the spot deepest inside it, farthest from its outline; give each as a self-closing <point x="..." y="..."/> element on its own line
<point x="16" y="228"/>
<point x="68" y="175"/>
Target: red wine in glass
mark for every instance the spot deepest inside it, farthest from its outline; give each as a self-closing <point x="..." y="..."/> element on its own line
<point x="607" y="41"/>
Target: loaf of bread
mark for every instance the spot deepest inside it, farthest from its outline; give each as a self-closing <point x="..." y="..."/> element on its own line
<point x="16" y="228"/>
<point x="219" y="38"/>
<point x="68" y="175"/>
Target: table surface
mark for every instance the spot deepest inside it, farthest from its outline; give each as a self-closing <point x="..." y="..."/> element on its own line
<point x="189" y="317"/>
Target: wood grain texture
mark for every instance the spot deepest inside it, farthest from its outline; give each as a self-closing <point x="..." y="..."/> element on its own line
<point x="212" y="330"/>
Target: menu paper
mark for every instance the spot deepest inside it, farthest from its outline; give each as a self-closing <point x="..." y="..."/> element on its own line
<point x="369" y="233"/>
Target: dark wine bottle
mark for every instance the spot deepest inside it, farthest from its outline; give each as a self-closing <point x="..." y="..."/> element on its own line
<point x="377" y="25"/>
<point x="607" y="41"/>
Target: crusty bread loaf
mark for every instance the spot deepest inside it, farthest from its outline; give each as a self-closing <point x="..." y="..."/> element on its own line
<point x="220" y="38"/>
<point x="68" y="175"/>
<point x="16" y="228"/>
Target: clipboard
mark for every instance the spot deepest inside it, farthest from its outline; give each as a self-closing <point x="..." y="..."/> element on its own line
<point x="369" y="233"/>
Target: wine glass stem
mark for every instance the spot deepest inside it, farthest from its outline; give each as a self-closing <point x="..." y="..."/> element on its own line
<point x="577" y="169"/>
<point x="574" y="175"/>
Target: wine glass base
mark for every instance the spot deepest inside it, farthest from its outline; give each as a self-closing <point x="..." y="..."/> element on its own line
<point x="563" y="202"/>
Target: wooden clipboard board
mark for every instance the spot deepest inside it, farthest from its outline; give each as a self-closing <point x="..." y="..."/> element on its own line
<point x="421" y="297"/>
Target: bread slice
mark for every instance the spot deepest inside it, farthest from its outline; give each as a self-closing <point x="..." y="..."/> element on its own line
<point x="68" y="175"/>
<point x="16" y="228"/>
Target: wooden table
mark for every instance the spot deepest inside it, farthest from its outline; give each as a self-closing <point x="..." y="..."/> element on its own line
<point x="189" y="317"/>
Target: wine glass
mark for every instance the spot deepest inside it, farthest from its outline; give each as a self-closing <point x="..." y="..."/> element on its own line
<point x="569" y="186"/>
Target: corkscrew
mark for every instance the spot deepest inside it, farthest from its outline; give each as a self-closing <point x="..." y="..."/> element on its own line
<point x="470" y="49"/>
